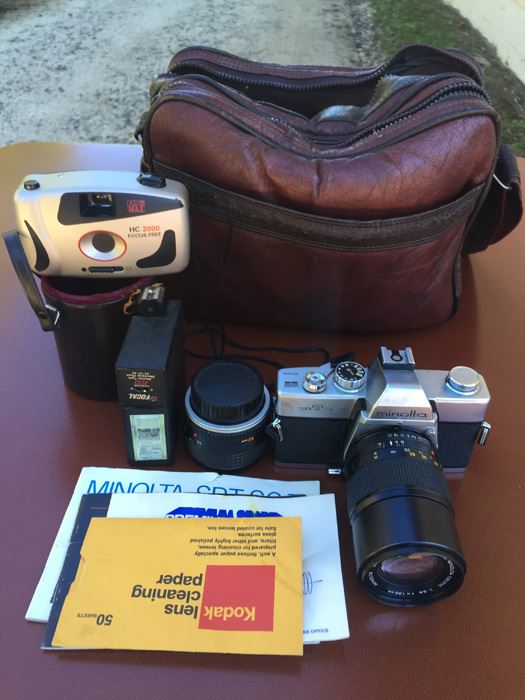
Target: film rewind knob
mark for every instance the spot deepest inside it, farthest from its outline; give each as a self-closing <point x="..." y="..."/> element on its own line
<point x="463" y="380"/>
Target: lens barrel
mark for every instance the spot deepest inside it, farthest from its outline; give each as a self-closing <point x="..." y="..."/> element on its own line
<point x="406" y="544"/>
<point x="227" y="410"/>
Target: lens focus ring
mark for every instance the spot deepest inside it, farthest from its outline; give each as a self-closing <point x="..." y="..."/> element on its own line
<point x="394" y="473"/>
<point x="385" y="460"/>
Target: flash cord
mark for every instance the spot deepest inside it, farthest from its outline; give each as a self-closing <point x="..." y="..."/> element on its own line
<point x="217" y="334"/>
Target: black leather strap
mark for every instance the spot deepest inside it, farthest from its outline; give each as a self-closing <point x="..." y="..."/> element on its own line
<point x="47" y="315"/>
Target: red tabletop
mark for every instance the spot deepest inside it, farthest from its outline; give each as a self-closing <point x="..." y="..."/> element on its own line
<point x="470" y="645"/>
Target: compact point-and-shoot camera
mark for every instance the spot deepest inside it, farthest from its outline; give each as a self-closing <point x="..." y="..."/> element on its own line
<point x="104" y="223"/>
<point x="393" y="430"/>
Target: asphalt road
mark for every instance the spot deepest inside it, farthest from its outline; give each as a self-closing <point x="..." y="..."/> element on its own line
<point x="80" y="70"/>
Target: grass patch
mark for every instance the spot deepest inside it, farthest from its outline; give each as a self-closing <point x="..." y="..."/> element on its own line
<point x="432" y="22"/>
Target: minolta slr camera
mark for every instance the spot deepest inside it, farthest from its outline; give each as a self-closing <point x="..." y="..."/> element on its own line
<point x="103" y="223"/>
<point x="393" y="429"/>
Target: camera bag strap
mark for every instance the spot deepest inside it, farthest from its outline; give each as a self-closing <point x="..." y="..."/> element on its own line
<point x="47" y="315"/>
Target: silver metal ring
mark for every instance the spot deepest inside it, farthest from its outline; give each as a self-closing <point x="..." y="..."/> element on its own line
<point x="55" y="312"/>
<point x="226" y="429"/>
<point x="505" y="187"/>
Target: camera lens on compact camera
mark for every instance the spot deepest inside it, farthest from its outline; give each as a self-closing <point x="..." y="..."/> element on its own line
<point x="406" y="545"/>
<point x="227" y="410"/>
<point x="103" y="242"/>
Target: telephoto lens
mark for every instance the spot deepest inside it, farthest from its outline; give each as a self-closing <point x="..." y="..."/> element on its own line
<point x="406" y="545"/>
<point x="227" y="410"/>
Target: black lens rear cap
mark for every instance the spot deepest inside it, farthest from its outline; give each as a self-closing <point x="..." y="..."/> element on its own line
<point x="227" y="392"/>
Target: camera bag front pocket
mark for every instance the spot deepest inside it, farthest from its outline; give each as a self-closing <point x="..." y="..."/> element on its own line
<point x="260" y="263"/>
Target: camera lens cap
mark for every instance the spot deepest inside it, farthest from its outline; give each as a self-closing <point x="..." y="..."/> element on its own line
<point x="227" y="392"/>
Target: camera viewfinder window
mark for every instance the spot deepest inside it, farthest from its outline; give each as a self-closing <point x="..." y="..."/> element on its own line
<point x="94" y="204"/>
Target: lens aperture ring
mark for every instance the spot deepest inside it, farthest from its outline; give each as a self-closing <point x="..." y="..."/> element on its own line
<point x="225" y="452"/>
<point x="386" y="461"/>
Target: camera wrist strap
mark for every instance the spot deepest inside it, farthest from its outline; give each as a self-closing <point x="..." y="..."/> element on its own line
<point x="47" y="315"/>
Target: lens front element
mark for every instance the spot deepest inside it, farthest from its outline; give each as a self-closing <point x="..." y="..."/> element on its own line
<point x="411" y="568"/>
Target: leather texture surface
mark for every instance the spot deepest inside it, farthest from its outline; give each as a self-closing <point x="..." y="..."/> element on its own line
<point x="301" y="147"/>
<point x="413" y="175"/>
<point x="307" y="286"/>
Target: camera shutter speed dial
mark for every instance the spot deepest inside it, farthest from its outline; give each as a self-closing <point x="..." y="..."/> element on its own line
<point x="349" y="375"/>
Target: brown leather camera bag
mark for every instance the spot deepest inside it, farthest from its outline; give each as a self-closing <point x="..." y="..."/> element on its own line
<point x="327" y="197"/>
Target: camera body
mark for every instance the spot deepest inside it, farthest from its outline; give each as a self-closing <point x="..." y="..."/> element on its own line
<point x="320" y="412"/>
<point x="105" y="223"/>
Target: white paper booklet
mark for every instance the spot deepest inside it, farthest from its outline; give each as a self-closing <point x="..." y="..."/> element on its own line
<point x="324" y="606"/>
<point x="116" y="480"/>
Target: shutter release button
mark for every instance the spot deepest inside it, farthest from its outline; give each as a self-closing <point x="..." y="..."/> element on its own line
<point x="314" y="382"/>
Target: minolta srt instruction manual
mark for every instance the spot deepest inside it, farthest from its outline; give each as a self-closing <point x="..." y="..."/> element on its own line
<point x="116" y="480"/>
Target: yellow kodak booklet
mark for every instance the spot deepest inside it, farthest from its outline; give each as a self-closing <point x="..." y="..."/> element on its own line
<point x="216" y="585"/>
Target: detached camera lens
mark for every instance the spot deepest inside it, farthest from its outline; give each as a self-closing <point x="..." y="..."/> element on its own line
<point x="406" y="545"/>
<point x="227" y="410"/>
